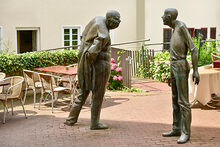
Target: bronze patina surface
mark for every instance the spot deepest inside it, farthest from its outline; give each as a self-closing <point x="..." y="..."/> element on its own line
<point x="94" y="67"/>
<point x="180" y="43"/>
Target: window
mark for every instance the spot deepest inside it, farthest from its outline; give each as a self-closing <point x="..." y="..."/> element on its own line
<point x="167" y="32"/>
<point x="1" y="42"/>
<point x="213" y="33"/>
<point x="27" y="39"/>
<point x="71" y="36"/>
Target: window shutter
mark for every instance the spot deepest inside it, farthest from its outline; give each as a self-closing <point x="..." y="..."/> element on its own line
<point x="197" y="32"/>
<point x="191" y="32"/>
<point x="167" y="33"/>
<point x="204" y="33"/>
<point x="213" y="33"/>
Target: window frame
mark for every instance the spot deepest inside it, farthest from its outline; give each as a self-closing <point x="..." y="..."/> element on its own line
<point x="78" y="27"/>
<point x="1" y="37"/>
<point x="38" y="39"/>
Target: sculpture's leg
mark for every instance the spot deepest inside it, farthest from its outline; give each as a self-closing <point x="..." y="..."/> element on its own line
<point x="176" y="131"/>
<point x="98" y="95"/>
<point x="183" y="101"/>
<point x="76" y="108"/>
<point x="96" y="105"/>
<point x="176" y="107"/>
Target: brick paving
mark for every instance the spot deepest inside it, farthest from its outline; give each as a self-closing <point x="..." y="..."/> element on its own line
<point x="135" y="120"/>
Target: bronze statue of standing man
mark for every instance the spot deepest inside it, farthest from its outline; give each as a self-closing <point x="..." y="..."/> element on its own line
<point x="94" y="67"/>
<point x="180" y="43"/>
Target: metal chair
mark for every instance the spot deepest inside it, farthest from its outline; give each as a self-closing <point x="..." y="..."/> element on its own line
<point x="2" y="76"/>
<point x="14" y="91"/>
<point x="50" y="87"/>
<point x="215" y="56"/>
<point x="32" y="82"/>
<point x="72" y="82"/>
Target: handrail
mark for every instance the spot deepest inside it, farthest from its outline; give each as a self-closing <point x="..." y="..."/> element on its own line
<point x="130" y="42"/>
<point x="75" y="46"/>
<point x="162" y="43"/>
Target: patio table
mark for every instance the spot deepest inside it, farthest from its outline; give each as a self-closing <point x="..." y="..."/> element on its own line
<point x="71" y="72"/>
<point x="60" y="69"/>
<point x="209" y="84"/>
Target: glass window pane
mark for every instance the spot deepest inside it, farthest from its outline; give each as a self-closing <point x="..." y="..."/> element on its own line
<point x="74" y="37"/>
<point x="74" y="31"/>
<point x="66" y="43"/>
<point x="66" y="31"/>
<point x="74" y="42"/>
<point x="66" y="37"/>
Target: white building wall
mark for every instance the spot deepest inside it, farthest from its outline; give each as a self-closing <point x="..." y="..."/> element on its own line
<point x="51" y="15"/>
<point x="194" y="13"/>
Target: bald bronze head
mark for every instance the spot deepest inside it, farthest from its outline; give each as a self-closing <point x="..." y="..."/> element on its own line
<point x="112" y="19"/>
<point x="170" y="15"/>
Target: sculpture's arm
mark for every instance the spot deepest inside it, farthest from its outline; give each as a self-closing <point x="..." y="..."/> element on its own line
<point x="94" y="49"/>
<point x="193" y="50"/>
<point x="98" y="43"/>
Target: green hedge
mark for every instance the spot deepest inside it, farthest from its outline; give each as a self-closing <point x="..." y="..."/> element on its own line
<point x="13" y="64"/>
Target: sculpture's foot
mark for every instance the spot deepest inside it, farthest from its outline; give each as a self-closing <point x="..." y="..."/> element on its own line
<point x="171" y="133"/>
<point x="69" y="122"/>
<point x="183" y="138"/>
<point x="99" y="126"/>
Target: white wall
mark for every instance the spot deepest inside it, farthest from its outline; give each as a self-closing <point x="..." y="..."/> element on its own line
<point x="194" y="13"/>
<point x="51" y="15"/>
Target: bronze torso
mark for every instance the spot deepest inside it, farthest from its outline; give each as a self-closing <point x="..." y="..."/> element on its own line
<point x="178" y="48"/>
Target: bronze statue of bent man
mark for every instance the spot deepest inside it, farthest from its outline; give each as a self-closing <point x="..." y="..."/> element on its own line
<point x="94" y="67"/>
<point x="180" y="42"/>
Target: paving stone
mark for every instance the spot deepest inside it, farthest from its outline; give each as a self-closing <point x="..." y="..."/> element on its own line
<point x="135" y="120"/>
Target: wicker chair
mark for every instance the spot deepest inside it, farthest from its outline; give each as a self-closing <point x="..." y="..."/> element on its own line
<point x="215" y="56"/>
<point x="71" y="80"/>
<point x="50" y="87"/>
<point x="13" y="92"/>
<point x="32" y="82"/>
<point x="2" y="76"/>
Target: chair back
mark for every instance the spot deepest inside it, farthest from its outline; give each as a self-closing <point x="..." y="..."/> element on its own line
<point x="2" y="75"/>
<point x="30" y="77"/>
<point x="73" y="65"/>
<point x="214" y="56"/>
<point x="46" y="81"/>
<point x="16" y="83"/>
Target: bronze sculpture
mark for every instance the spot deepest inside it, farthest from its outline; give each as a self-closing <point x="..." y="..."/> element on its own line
<point x="180" y="42"/>
<point x="94" y="67"/>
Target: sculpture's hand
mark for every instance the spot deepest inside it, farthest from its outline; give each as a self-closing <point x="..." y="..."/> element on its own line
<point x="195" y="77"/>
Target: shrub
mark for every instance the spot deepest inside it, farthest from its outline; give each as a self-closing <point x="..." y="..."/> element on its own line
<point x="205" y="52"/>
<point x="116" y="80"/>
<point x="13" y="64"/>
<point x="161" y="66"/>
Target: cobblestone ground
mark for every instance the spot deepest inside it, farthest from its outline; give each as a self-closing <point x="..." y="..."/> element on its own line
<point x="135" y="120"/>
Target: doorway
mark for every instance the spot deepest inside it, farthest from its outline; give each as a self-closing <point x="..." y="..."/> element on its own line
<point x="27" y="41"/>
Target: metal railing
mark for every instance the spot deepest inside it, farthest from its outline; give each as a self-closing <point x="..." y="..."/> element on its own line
<point x="144" y="56"/>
